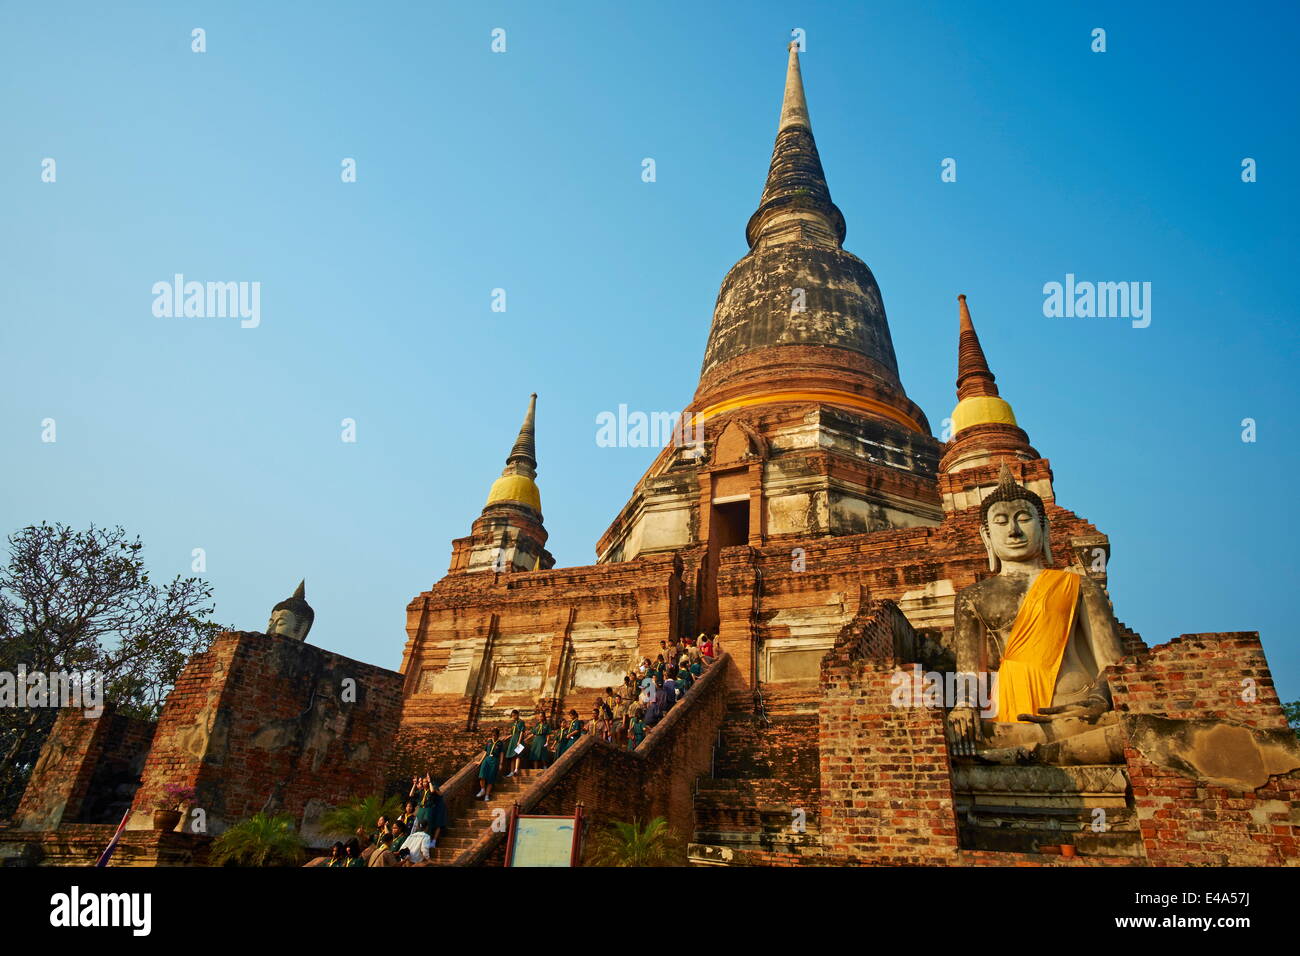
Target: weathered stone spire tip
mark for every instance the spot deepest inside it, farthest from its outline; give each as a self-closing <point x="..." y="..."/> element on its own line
<point x="794" y="107"/>
<point x="516" y="483"/>
<point x="796" y="203"/>
<point x="523" y="456"/>
<point x="974" y="377"/>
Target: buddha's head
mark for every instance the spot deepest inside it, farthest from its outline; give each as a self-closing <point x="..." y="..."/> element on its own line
<point x="293" y="616"/>
<point x="1013" y="525"/>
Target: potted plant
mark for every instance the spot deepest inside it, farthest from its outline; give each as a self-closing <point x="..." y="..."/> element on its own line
<point x="168" y="812"/>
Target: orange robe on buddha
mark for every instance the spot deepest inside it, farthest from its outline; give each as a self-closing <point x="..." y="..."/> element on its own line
<point x="1032" y="658"/>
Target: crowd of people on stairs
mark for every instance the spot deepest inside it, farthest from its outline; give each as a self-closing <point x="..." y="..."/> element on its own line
<point x="622" y="716"/>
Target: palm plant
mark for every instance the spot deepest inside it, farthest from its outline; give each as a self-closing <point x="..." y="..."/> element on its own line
<point x="261" y="840"/>
<point x="631" y="844"/>
<point x="358" y="814"/>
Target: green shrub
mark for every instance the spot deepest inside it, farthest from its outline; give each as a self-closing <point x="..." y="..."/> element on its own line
<point x="260" y="840"/>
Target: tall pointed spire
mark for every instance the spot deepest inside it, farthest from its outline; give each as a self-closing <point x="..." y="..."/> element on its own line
<point x="984" y="428"/>
<point x="794" y="108"/>
<point x="799" y="356"/>
<point x="796" y="203"/>
<point x="516" y="484"/>
<point x="974" y="377"/>
<point x="301" y="591"/>
<point x="978" y="402"/>
<point x="509" y="534"/>
<point x="798" y="315"/>
<point x="524" y="452"/>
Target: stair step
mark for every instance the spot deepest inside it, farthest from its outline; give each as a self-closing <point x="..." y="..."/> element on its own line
<point x="467" y="828"/>
<point x="763" y="772"/>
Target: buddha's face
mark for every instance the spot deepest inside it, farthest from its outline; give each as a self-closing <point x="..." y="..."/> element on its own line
<point x="288" y="624"/>
<point x="1014" y="532"/>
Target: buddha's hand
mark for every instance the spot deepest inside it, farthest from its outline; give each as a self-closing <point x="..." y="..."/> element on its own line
<point x="963" y="730"/>
<point x="1089" y="709"/>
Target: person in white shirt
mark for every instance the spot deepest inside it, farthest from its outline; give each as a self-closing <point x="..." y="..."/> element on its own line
<point x="415" y="849"/>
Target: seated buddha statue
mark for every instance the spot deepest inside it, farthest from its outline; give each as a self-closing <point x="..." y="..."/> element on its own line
<point x="1048" y="634"/>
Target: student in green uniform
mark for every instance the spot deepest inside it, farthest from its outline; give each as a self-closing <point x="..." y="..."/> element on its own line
<point x="434" y="809"/>
<point x="636" y="732"/>
<point x="489" y="763"/>
<point x="338" y="858"/>
<point x="538" y="755"/>
<point x="385" y="853"/>
<point x="379" y="836"/>
<point x="407" y="817"/>
<point x="553" y="742"/>
<point x="397" y="834"/>
<point x="571" y="735"/>
<point x="380" y="843"/>
<point x="684" y="680"/>
<point x="352" y="851"/>
<point x="517" y="730"/>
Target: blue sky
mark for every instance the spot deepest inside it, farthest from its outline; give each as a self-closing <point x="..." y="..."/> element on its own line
<point x="522" y="171"/>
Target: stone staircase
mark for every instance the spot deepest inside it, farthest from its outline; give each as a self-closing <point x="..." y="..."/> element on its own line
<point x="469" y="838"/>
<point x="465" y="828"/>
<point x="764" y="793"/>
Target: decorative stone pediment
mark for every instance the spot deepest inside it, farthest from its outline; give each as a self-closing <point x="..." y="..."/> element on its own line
<point x="739" y="441"/>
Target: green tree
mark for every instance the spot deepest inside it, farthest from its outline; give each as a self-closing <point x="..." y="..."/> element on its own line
<point x="261" y="840"/>
<point x="81" y="601"/>
<point x="1292" y="711"/>
<point x="630" y="844"/>
<point x="359" y="814"/>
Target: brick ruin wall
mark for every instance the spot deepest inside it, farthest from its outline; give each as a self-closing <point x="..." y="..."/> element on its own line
<point x="1190" y="821"/>
<point x="264" y="723"/>
<point x="88" y="770"/>
<point x="885" y="775"/>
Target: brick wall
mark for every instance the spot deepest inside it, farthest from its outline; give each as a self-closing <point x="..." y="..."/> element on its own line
<point x="87" y="771"/>
<point x="262" y="722"/>
<point x="126" y="743"/>
<point x="885" y="778"/>
<point x="1185" y="820"/>
<point x="1201" y="675"/>
<point x="437" y="742"/>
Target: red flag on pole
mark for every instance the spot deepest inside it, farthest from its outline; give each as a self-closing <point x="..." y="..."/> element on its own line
<point x="112" y="844"/>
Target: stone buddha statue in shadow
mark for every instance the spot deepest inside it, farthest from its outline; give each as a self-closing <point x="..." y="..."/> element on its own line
<point x="1047" y="634"/>
<point x="293" y="616"/>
